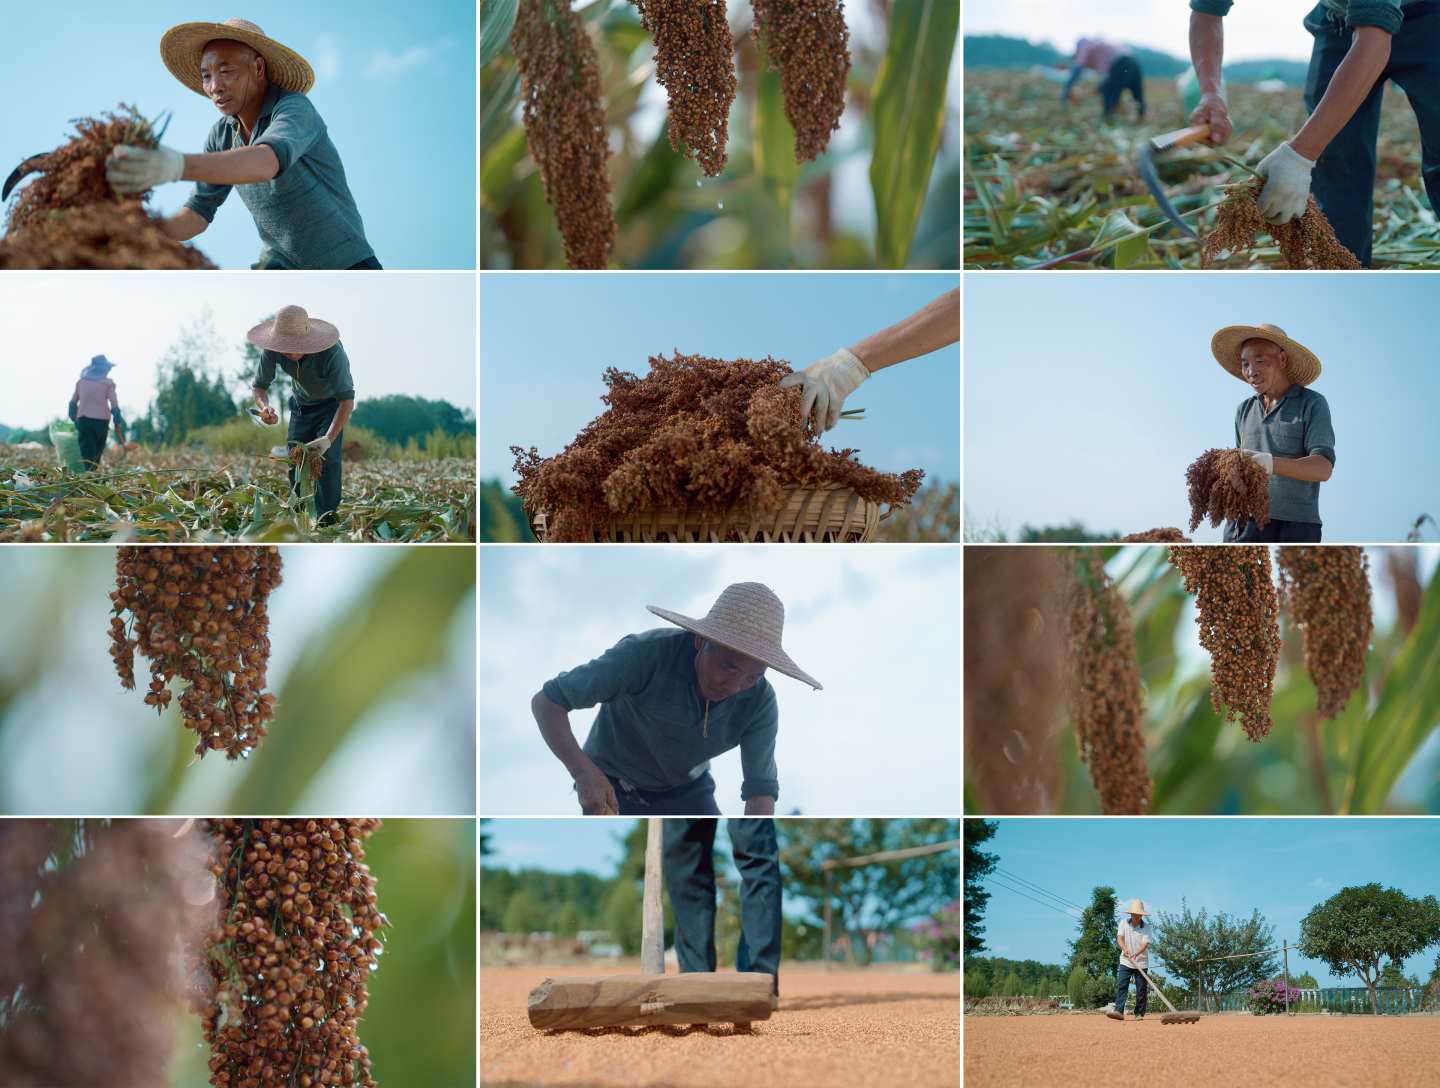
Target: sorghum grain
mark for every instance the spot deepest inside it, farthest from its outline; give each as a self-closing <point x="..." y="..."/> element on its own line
<point x="808" y="41"/>
<point x="1327" y="590"/>
<point x="693" y="62"/>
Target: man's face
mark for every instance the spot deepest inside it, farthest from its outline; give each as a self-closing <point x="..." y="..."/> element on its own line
<point x="722" y="672"/>
<point x="1262" y="364"/>
<point x="293" y="356"/>
<point x="230" y="75"/>
<point x="1137" y="919"/>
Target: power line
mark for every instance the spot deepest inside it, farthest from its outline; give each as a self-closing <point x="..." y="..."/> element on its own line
<point x="1036" y="887"/>
<point x="992" y="880"/>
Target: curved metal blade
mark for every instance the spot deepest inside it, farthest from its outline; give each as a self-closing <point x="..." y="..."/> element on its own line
<point x="1145" y="163"/>
<point x="29" y="166"/>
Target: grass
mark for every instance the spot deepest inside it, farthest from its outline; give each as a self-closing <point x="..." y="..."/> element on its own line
<point x="1043" y="182"/>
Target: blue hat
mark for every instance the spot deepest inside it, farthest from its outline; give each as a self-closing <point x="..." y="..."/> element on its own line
<point x="98" y="368"/>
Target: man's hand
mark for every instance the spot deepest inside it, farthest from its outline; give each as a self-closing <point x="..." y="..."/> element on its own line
<point x="1288" y="188"/>
<point x="134" y="169"/>
<point x="269" y="415"/>
<point x="597" y="796"/>
<point x="1264" y="460"/>
<point x="826" y="384"/>
<point x="1214" y="112"/>
<point x="319" y="445"/>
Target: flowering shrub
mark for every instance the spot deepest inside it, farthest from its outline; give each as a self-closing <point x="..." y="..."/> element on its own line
<point x="941" y="932"/>
<point x="1268" y="997"/>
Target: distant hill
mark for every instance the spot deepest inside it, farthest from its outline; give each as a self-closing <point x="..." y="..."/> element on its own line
<point x="4" y="432"/>
<point x="998" y="51"/>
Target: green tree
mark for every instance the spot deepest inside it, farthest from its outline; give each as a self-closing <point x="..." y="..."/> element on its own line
<point x="189" y="389"/>
<point x="976" y="984"/>
<point x="496" y="888"/>
<point x="1182" y="940"/>
<point x="1304" y="982"/>
<point x="399" y="418"/>
<point x="1095" y="949"/>
<point x="1013" y="985"/>
<point x="978" y="865"/>
<point x="1075" y="986"/>
<point x="484" y="838"/>
<point x="502" y="516"/>
<point x="1394" y="975"/>
<point x="1353" y="930"/>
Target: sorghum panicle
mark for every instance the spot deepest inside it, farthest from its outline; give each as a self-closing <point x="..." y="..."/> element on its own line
<point x="290" y="953"/>
<point x="1228" y="486"/>
<point x="808" y="40"/>
<point x="199" y="613"/>
<point x="1235" y="590"/>
<point x="1307" y="242"/>
<point x="1327" y="590"/>
<point x="1155" y="536"/>
<point x="565" y="126"/>
<point x="693" y="62"/>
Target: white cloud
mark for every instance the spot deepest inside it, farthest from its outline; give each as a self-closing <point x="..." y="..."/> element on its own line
<point x="327" y="56"/>
<point x="1321" y="883"/>
<point x="387" y="68"/>
<point x="1002" y="948"/>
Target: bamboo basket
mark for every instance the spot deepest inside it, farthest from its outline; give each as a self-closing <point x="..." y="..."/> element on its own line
<point x="828" y="514"/>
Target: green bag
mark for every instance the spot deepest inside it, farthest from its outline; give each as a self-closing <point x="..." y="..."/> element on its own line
<point x="66" y="440"/>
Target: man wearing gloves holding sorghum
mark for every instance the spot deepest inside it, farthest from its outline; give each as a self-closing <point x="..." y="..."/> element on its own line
<point x="671" y="701"/>
<point x="1133" y="937"/>
<point x="93" y="392"/>
<point x="1359" y="45"/>
<point x="322" y="397"/>
<point x="1285" y="427"/>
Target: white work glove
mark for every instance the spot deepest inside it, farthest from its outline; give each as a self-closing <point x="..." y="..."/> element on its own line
<point x="134" y="169"/>
<point x="1287" y="186"/>
<point x="1264" y="460"/>
<point x="320" y="445"/>
<point x="826" y="384"/>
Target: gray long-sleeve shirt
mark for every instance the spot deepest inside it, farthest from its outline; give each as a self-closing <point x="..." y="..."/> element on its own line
<point x="1386" y="14"/>
<point x="651" y="728"/>
<point x="1297" y="426"/>
<point x="317" y="377"/>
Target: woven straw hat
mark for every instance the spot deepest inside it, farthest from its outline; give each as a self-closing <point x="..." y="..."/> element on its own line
<point x="182" y="46"/>
<point x="1302" y="368"/>
<point x="746" y="617"/>
<point x="1136" y="907"/>
<point x="294" y="330"/>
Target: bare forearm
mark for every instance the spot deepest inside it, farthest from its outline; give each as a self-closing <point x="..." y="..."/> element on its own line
<point x="238" y="166"/>
<point x="342" y="414"/>
<point x="1349" y="87"/>
<point x="554" y="724"/>
<point x="1207" y="49"/>
<point x="184" y="224"/>
<point x="1313" y="468"/>
<point x="760" y="804"/>
<point x="931" y="328"/>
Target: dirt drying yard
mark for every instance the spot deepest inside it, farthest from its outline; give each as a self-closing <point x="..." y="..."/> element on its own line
<point x="1300" y="1052"/>
<point x="837" y="1030"/>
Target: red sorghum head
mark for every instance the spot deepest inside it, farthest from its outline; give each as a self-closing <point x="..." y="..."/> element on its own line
<point x="1228" y="486"/>
<point x="808" y="41"/>
<point x="1327" y="591"/>
<point x="693" y="63"/>
<point x="1307" y="242"/>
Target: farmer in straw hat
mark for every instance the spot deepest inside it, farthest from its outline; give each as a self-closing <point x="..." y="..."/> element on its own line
<point x="93" y="392"/>
<point x="322" y="397"/>
<point x="1133" y="937"/>
<point x="1359" y="44"/>
<point x="661" y="694"/>
<point x="270" y="142"/>
<point x="1285" y="427"/>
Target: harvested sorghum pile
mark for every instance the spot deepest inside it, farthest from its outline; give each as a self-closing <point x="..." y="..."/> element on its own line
<point x="693" y="63"/>
<point x="1228" y="486"/>
<point x="1238" y="626"/>
<point x="1307" y="242"/>
<point x="1328" y="593"/>
<point x="1154" y="536"/>
<point x="808" y="41"/>
<point x="697" y="433"/>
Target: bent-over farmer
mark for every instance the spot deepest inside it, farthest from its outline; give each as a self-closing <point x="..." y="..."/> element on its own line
<point x="1133" y="937"/>
<point x="93" y="392"/>
<point x="690" y="880"/>
<point x="1285" y="427"/>
<point x="1118" y="69"/>
<point x="670" y="702"/>
<point x="270" y="144"/>
<point x="322" y="397"/>
<point x="1359" y="45"/>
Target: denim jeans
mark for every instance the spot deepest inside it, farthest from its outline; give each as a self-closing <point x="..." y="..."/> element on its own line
<point x="1142" y="990"/>
<point x="91" y="434"/>
<point x="1275" y="532"/>
<point x="690" y="880"/>
<point x="307" y="423"/>
<point x="696" y="797"/>
<point x="1344" y="177"/>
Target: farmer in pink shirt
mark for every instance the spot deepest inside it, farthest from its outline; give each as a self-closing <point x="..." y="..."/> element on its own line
<point x="1117" y="67"/>
<point x="93" y="393"/>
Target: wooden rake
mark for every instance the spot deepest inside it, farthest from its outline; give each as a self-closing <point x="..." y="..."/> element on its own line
<point x="1174" y="1016"/>
<point x="651" y="997"/>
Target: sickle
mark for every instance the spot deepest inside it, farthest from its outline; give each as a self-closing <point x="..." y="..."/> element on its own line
<point x="29" y="166"/>
<point x="1146" y="165"/>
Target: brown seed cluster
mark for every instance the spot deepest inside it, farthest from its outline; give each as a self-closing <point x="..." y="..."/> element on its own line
<point x="290" y="953"/>
<point x="808" y="40"/>
<point x="565" y="126"/>
<point x="199" y="613"/>
<point x="1154" y="536"/>
<point x="305" y="455"/>
<point x="1238" y="608"/>
<point x="1307" y="242"/>
<point x="1228" y="486"/>
<point x="1107" y="703"/>
<point x="693" y="63"/>
<point x="1327" y="589"/>
<point x="697" y="433"/>
<point x="70" y="217"/>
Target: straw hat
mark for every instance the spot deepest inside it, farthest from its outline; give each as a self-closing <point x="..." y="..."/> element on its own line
<point x="1136" y="907"/>
<point x="294" y="330"/>
<point x="182" y="46"/>
<point x="1302" y="369"/>
<point x="746" y="617"/>
<point x="98" y="368"/>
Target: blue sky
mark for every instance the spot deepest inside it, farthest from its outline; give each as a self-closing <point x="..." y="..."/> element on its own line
<point x="546" y="339"/>
<point x="1087" y="397"/>
<point x="877" y="624"/>
<point x="1284" y="867"/>
<point x="395" y="84"/>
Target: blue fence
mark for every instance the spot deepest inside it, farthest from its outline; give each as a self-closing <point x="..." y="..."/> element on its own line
<point x="1393" y="1000"/>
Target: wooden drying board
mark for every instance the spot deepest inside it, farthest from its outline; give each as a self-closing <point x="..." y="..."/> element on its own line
<point x="699" y="997"/>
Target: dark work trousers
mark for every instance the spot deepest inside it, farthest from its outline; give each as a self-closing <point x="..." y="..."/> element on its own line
<point x="690" y="880"/>
<point x="369" y="264"/>
<point x="694" y="798"/>
<point x="1124" y="75"/>
<point x="1275" y="532"/>
<point x="92" y="436"/>
<point x="307" y="423"/>
<point x="1344" y="178"/>
<point x="1122" y="991"/>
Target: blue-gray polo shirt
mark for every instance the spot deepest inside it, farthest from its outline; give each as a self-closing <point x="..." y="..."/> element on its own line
<point x="1386" y="14"/>
<point x="305" y="213"/>
<point x="651" y="729"/>
<point x="317" y="377"/>
<point x="1297" y="426"/>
